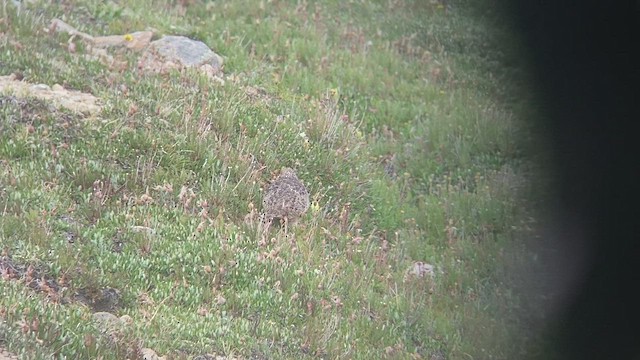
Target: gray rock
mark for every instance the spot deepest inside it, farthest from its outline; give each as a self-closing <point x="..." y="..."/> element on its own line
<point x="181" y="51"/>
<point x="106" y="322"/>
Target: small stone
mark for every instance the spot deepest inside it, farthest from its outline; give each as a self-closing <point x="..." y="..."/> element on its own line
<point x="105" y="317"/>
<point x="40" y="87"/>
<point x="107" y="323"/>
<point x="149" y="354"/>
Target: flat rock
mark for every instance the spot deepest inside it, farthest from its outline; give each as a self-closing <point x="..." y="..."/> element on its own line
<point x="5" y="355"/>
<point x="136" y="40"/>
<point x="59" y="96"/>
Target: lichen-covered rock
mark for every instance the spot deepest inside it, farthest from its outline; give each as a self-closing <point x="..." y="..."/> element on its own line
<point x="73" y="100"/>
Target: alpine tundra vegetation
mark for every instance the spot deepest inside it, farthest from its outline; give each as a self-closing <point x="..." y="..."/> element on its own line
<point x="129" y="226"/>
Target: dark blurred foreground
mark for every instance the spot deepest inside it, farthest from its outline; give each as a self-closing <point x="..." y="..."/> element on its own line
<point x="585" y="68"/>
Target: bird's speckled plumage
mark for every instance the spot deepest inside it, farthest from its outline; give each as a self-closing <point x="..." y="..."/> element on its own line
<point x="286" y="198"/>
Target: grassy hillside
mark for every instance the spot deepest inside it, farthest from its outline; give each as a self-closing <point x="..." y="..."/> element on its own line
<point x="405" y="119"/>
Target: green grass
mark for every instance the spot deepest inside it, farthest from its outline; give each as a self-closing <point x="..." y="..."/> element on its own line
<point x="156" y="195"/>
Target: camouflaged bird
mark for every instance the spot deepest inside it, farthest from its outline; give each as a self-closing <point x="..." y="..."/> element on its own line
<point x="286" y="198"/>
